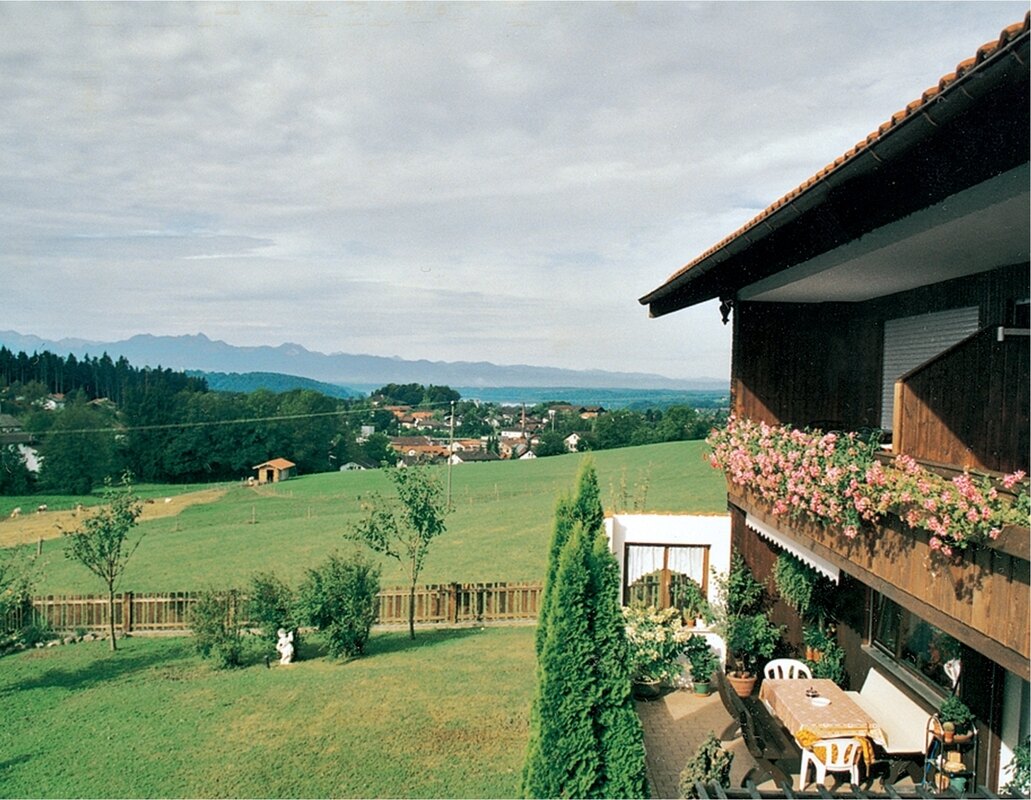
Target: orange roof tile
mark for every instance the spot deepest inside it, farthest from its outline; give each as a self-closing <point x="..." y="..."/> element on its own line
<point x="984" y="52"/>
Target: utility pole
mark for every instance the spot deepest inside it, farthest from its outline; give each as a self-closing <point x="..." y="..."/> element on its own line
<point x="450" y="454"/>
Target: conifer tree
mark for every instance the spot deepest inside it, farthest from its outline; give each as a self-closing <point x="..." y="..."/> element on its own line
<point x="585" y="737"/>
<point x="562" y="757"/>
<point x="563" y="526"/>
<point x="587" y="505"/>
<point x="617" y="726"/>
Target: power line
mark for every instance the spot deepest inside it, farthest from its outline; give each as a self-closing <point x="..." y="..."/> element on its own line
<point x="218" y="422"/>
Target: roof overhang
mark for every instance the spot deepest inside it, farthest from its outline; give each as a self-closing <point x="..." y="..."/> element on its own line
<point x="891" y="197"/>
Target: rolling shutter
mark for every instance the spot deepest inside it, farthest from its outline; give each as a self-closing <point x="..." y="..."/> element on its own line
<point x="910" y="341"/>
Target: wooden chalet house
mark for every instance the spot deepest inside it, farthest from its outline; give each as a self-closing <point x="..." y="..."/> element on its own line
<point x="890" y="291"/>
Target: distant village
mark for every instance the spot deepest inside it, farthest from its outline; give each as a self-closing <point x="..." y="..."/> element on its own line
<point x="518" y="434"/>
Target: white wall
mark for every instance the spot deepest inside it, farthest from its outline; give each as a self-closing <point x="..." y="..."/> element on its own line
<point x="688" y="529"/>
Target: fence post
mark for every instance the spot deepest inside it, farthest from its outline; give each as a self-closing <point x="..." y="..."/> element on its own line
<point x="127" y="612"/>
<point x="453" y="611"/>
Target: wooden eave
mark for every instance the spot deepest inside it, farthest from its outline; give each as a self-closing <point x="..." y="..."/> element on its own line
<point x="973" y="126"/>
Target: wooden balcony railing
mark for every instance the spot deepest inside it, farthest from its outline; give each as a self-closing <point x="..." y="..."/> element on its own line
<point x="968" y="406"/>
<point x="980" y="596"/>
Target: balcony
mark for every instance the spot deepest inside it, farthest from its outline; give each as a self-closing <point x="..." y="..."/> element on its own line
<point x="968" y="406"/>
<point x="804" y="485"/>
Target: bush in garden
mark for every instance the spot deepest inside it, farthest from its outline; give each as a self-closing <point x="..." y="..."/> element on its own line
<point x="216" y="630"/>
<point x="270" y="606"/>
<point x="339" y="598"/>
<point x="709" y="765"/>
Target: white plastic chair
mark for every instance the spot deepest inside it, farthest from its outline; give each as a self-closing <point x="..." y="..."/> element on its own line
<point x="787" y="668"/>
<point x="838" y="755"/>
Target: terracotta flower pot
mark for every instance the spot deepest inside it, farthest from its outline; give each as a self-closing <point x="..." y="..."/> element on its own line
<point x="742" y="684"/>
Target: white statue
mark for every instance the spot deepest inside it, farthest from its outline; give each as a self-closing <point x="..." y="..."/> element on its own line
<point x="285" y="646"/>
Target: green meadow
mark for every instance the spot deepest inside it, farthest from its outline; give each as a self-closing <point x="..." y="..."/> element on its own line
<point x="443" y="716"/>
<point x="498" y="531"/>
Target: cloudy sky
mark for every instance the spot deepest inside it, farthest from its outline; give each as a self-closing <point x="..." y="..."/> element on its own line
<point x="493" y="182"/>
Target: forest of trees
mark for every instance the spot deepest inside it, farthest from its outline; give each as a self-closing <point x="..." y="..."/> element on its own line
<point x="166" y="426"/>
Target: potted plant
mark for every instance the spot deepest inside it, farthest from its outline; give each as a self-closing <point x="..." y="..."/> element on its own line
<point x="830" y="664"/>
<point x="709" y="765"/>
<point x="655" y="640"/>
<point x="817" y="640"/>
<point x="703" y="661"/>
<point x="796" y="582"/>
<point x="741" y="620"/>
<point x="1020" y="770"/>
<point x="954" y="712"/>
<point x="687" y="595"/>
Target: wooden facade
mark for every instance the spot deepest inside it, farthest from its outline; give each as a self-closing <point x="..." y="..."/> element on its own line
<point x="968" y="407"/>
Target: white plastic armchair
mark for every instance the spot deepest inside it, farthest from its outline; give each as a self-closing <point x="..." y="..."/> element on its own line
<point x="787" y="668"/>
<point x="831" y="755"/>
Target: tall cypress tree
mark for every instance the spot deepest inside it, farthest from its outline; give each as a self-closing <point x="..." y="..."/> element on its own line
<point x="562" y="757"/>
<point x="585" y="737"/>
<point x="617" y="726"/>
<point x="563" y="526"/>
<point x="587" y="505"/>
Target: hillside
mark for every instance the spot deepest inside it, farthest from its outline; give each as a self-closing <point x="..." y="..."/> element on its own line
<point x="499" y="530"/>
<point x="273" y="381"/>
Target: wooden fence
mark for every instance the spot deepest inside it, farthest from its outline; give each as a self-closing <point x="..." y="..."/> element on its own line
<point x="442" y="604"/>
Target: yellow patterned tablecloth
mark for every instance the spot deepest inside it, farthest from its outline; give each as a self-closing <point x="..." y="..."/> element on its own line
<point x="840" y="717"/>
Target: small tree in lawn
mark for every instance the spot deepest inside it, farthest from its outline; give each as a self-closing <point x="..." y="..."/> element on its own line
<point x="270" y="604"/>
<point x="404" y="531"/>
<point x="101" y="542"/>
<point x="19" y="571"/>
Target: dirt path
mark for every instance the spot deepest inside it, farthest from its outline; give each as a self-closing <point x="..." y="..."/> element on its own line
<point x="34" y="526"/>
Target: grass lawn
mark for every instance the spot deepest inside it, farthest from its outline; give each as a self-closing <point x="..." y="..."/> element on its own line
<point x="499" y="530"/>
<point x="443" y="716"/>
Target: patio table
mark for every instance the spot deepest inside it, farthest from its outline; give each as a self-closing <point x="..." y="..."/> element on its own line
<point x="840" y="717"/>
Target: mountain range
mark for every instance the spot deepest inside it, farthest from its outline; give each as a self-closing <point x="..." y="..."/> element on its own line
<point x="198" y="352"/>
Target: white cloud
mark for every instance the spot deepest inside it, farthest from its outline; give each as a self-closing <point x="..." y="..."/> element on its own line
<point x="492" y="181"/>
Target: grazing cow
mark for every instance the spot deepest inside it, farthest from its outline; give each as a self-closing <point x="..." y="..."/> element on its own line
<point x="16" y="513"/>
<point x="41" y="508"/>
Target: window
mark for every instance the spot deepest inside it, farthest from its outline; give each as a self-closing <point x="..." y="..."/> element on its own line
<point x="664" y="575"/>
<point x="915" y="644"/>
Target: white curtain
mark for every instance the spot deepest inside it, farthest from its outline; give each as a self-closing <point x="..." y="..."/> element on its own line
<point x="643" y="559"/>
<point x="640" y="560"/>
<point x="688" y="561"/>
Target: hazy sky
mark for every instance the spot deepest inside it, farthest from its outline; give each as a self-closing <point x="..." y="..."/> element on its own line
<point x="492" y="182"/>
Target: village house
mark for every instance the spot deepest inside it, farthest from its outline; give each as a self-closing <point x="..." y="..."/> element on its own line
<point x="889" y="291"/>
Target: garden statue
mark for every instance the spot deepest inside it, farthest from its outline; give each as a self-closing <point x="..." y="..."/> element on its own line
<point x="285" y="646"/>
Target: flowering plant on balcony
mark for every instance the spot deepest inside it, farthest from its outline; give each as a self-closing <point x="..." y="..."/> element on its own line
<point x="800" y="473"/>
<point x="656" y="640"/>
<point x="965" y="511"/>
<point x="833" y="478"/>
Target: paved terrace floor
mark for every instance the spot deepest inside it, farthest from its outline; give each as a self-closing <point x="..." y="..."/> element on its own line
<point x="674" y="727"/>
